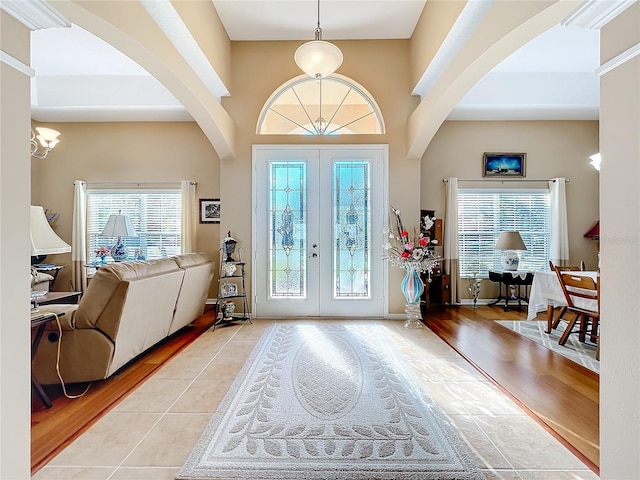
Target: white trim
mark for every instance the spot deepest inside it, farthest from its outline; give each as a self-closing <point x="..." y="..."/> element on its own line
<point x="17" y="64"/>
<point x="618" y="60"/>
<point x="596" y="13"/>
<point x="35" y="14"/>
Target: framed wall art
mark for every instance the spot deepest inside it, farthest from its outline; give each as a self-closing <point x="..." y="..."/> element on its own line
<point x="209" y="210"/>
<point x="503" y="164"/>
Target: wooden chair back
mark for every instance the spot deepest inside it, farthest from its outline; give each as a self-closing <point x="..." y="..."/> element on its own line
<point x="577" y="290"/>
<point x="568" y="268"/>
<point x="579" y="286"/>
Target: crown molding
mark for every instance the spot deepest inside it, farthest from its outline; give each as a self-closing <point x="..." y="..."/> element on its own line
<point x="34" y="14"/>
<point x="596" y="13"/>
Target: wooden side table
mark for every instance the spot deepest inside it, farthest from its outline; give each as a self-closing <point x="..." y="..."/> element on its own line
<point x="39" y="322"/>
<point x="513" y="281"/>
<point x="59" y="297"/>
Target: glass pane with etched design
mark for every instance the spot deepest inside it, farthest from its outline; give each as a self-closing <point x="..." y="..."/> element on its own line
<point x="287" y="229"/>
<point x="351" y="229"/>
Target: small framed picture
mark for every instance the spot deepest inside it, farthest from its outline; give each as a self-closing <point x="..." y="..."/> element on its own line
<point x="209" y="210"/>
<point x="503" y="164"/>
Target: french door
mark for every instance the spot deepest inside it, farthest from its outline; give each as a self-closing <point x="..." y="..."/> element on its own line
<point x="317" y="230"/>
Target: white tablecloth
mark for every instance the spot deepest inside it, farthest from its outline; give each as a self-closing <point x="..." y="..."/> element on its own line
<point x="546" y="290"/>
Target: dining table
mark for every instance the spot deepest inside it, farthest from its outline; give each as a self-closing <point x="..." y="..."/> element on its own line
<point x="546" y="295"/>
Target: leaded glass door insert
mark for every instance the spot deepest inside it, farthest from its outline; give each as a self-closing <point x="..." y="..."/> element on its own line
<point x="351" y="229"/>
<point x="287" y="243"/>
<point x="318" y="230"/>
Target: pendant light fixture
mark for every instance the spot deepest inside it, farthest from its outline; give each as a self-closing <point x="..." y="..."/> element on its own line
<point x="318" y="58"/>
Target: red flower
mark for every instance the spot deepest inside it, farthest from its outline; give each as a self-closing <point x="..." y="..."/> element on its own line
<point x="404" y="234"/>
<point x="422" y="242"/>
<point x="405" y="254"/>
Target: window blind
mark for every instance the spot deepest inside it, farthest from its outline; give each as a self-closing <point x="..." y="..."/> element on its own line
<point x="483" y="214"/>
<point x="155" y="214"/>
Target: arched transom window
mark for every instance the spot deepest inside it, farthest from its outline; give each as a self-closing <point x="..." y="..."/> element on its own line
<point x="334" y="105"/>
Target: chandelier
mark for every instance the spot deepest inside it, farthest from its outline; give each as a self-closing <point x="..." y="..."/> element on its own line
<point x="318" y="58"/>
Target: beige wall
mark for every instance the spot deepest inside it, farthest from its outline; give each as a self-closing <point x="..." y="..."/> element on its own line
<point x="14" y="252"/>
<point x="272" y="63"/>
<point x="124" y="152"/>
<point x="620" y="240"/>
<point x="554" y="149"/>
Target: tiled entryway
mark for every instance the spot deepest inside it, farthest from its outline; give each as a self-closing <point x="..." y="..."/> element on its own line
<point x="149" y="435"/>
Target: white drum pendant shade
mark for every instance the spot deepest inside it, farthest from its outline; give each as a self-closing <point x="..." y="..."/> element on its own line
<point x="318" y="58"/>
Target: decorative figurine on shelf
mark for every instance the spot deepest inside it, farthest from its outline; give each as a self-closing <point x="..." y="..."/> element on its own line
<point x="227" y="307"/>
<point x="228" y="269"/>
<point x="229" y="246"/>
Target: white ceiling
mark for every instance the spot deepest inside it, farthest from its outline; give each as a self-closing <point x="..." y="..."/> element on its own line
<point x="80" y="78"/>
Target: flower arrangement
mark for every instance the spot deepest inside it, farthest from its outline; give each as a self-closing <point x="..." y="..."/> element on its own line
<point x="102" y="251"/>
<point x="411" y="251"/>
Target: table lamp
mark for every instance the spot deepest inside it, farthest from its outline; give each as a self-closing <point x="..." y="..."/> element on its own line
<point x="44" y="241"/>
<point x="119" y="226"/>
<point x="510" y="243"/>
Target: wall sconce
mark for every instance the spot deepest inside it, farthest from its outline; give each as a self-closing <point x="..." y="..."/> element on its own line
<point x="48" y="138"/>
<point x="596" y="158"/>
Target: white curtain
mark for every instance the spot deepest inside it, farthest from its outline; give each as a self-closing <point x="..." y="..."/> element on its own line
<point x="189" y="215"/>
<point x="79" y="237"/>
<point x="559" y="227"/>
<point x="451" y="250"/>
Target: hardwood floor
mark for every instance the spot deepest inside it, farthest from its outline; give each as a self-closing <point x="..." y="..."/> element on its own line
<point x="563" y="396"/>
<point x="53" y="429"/>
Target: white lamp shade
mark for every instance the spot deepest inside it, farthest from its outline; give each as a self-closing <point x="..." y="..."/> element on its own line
<point x="318" y="58"/>
<point x="118" y="226"/>
<point x="48" y="137"/>
<point x="510" y="241"/>
<point x="44" y="241"/>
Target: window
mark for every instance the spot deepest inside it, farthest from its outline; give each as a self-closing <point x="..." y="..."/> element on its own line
<point x="155" y="214"/>
<point x="483" y="214"/>
<point x="334" y="105"/>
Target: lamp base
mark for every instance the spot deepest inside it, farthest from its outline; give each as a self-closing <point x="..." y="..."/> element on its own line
<point x="119" y="251"/>
<point x="510" y="260"/>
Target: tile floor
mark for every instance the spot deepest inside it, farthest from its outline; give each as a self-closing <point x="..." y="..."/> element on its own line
<point x="149" y="435"/>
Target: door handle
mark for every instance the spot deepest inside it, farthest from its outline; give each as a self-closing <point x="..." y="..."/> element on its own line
<point x="313" y="255"/>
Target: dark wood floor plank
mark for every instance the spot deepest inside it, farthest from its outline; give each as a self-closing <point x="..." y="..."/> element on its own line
<point x="561" y="394"/>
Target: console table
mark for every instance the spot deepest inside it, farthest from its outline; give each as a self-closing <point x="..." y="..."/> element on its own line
<point x="513" y="282"/>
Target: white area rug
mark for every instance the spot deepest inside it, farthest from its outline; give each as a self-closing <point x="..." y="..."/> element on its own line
<point x="574" y="349"/>
<point x="328" y="402"/>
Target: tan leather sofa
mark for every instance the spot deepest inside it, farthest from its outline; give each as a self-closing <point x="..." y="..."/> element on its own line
<point x="127" y="308"/>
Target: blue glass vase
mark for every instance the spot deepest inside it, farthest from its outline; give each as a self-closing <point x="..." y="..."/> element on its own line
<point x="412" y="288"/>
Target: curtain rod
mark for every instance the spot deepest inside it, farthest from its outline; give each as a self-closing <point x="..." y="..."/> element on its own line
<point x="192" y="182"/>
<point x="504" y="180"/>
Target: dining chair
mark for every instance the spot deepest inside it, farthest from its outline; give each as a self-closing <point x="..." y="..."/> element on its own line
<point x="582" y="294"/>
<point x="568" y="268"/>
<point x="564" y="268"/>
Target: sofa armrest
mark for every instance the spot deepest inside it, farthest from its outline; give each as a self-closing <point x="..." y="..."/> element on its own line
<point x="68" y="320"/>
